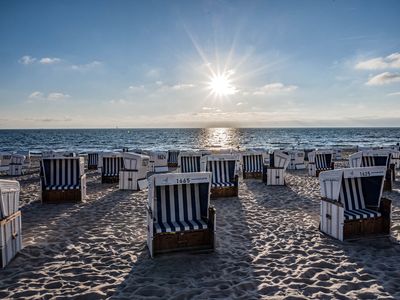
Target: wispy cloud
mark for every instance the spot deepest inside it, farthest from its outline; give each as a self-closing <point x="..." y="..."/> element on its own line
<point x="86" y="67"/>
<point x="27" y="60"/>
<point x="182" y="86"/>
<point x="118" y="101"/>
<point x="48" y="120"/>
<point x="153" y="73"/>
<point x="393" y="94"/>
<point x="51" y="97"/>
<point x="274" y="88"/>
<point x="391" y="61"/>
<point x="384" y="78"/>
<point x="49" y="60"/>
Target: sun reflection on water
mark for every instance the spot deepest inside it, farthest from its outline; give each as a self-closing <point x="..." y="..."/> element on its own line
<point x="219" y="138"/>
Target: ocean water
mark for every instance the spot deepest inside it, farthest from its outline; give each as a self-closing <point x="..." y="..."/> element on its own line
<point x="82" y="140"/>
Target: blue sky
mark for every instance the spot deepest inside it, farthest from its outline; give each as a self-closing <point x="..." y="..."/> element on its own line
<point x="75" y="64"/>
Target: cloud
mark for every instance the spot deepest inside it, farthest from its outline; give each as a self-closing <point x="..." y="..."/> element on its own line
<point x="391" y="61"/>
<point x="49" y="60"/>
<point x="86" y="67"/>
<point x="384" y="78"/>
<point x="153" y="73"/>
<point x="136" y="88"/>
<point x="394" y="94"/>
<point x="51" y="97"/>
<point x="211" y="109"/>
<point x="27" y="60"/>
<point x="118" y="101"/>
<point x="274" y="88"/>
<point x="182" y="86"/>
<point x="47" y="120"/>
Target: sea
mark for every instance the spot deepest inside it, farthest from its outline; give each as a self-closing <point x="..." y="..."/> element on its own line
<point x="83" y="140"/>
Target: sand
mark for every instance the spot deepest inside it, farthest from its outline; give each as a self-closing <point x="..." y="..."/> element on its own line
<point x="268" y="247"/>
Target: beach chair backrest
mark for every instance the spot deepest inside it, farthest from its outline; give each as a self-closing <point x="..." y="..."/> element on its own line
<point x="173" y="156"/>
<point x="9" y="197"/>
<point x="189" y="162"/>
<point x="93" y="159"/>
<point x="323" y="160"/>
<point x="222" y="166"/>
<point x="253" y="162"/>
<point x="135" y="161"/>
<point x="112" y="164"/>
<point x="279" y="159"/>
<point x="17" y="159"/>
<point x="61" y="172"/>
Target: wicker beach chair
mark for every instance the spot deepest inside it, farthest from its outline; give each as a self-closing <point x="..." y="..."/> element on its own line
<point x="63" y="179"/>
<point x="224" y="169"/>
<point x="274" y="173"/>
<point x="296" y="159"/>
<point x="352" y="205"/>
<point x="112" y="163"/>
<point x="253" y="163"/>
<point x="373" y="158"/>
<point x="133" y="175"/>
<point x="189" y="161"/>
<point x="93" y="160"/>
<point x="10" y="221"/>
<point x="173" y="158"/>
<point x="320" y="160"/>
<point x="179" y="215"/>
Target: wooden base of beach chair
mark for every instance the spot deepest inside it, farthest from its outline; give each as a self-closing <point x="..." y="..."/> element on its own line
<point x="193" y="240"/>
<point x="109" y="179"/>
<point x="372" y="226"/>
<point x="92" y="167"/>
<point x="252" y="175"/>
<point x="11" y="238"/>
<point x="172" y="165"/>
<point x="62" y="196"/>
<point x="222" y="192"/>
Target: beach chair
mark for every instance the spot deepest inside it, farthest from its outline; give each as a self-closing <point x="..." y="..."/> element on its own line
<point x="10" y="221"/>
<point x="320" y="160"/>
<point x="5" y="160"/>
<point x="296" y="159"/>
<point x="63" y="179"/>
<point x="133" y="175"/>
<point x="188" y="162"/>
<point x="274" y="173"/>
<point x="93" y="160"/>
<point x="253" y="163"/>
<point x="16" y="165"/>
<point x="179" y="216"/>
<point x="158" y="161"/>
<point x="373" y="158"/>
<point x="352" y="205"/>
<point x="224" y="169"/>
<point x="111" y="165"/>
<point x="337" y="154"/>
<point x="27" y="161"/>
<point x="173" y="158"/>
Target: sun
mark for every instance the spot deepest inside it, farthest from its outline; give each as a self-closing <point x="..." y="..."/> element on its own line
<point x="221" y="85"/>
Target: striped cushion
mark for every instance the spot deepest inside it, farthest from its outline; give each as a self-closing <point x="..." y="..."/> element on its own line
<point x="60" y="174"/>
<point x="223" y="173"/>
<point x="190" y="164"/>
<point x="252" y="163"/>
<point x="178" y="207"/>
<point x="93" y="159"/>
<point x="323" y="161"/>
<point x="173" y="156"/>
<point x="352" y="196"/>
<point x="371" y="161"/>
<point x="112" y="166"/>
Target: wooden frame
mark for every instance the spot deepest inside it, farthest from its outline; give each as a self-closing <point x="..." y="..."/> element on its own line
<point x="10" y="238"/>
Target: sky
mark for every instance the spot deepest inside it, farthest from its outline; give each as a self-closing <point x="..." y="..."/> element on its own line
<point x="127" y="64"/>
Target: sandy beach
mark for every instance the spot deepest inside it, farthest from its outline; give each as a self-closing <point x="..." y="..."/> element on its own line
<point x="268" y="246"/>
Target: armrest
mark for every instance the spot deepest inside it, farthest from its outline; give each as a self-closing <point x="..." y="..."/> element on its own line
<point x="334" y="202"/>
<point x="333" y="165"/>
<point x="386" y="207"/>
<point x="211" y="216"/>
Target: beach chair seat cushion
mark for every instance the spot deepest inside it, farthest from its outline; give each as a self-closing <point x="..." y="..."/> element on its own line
<point x="358" y="214"/>
<point x="63" y="187"/>
<point x="222" y="184"/>
<point x="179" y="208"/>
<point x="111" y="174"/>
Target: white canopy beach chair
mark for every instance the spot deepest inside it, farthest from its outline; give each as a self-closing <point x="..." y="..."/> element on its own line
<point x="179" y="215"/>
<point x="274" y="173"/>
<point x="253" y="163"/>
<point x="158" y="161"/>
<point x="10" y="221"/>
<point x="16" y="165"/>
<point x="296" y="159"/>
<point x="224" y="169"/>
<point x="173" y="158"/>
<point x="111" y="165"/>
<point x="5" y="160"/>
<point x="320" y="160"/>
<point x="133" y="175"/>
<point x="372" y="158"/>
<point x="189" y="161"/>
<point x="63" y="179"/>
<point x="351" y="204"/>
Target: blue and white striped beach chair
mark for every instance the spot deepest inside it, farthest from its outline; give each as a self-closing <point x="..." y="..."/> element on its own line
<point x="173" y="158"/>
<point x="63" y="179"/>
<point x="224" y="169"/>
<point x="351" y="204"/>
<point x="253" y="164"/>
<point x="93" y="160"/>
<point x="180" y="203"/>
<point x="320" y="160"/>
<point x="112" y="164"/>
<point x="189" y="161"/>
